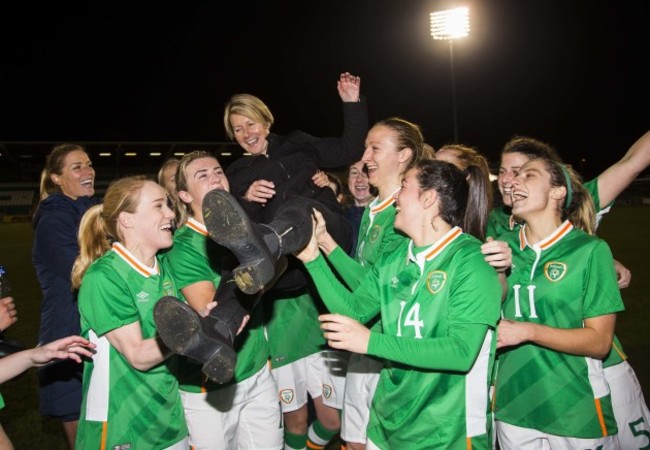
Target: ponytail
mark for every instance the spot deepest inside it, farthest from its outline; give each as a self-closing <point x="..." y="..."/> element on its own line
<point x="93" y="243"/>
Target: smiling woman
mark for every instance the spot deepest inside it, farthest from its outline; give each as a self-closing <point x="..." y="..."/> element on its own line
<point x="131" y="398"/>
<point x="67" y="187"/>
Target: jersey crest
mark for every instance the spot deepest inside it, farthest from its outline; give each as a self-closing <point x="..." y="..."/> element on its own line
<point x="286" y="395"/>
<point x="436" y="281"/>
<point x="327" y="391"/>
<point x="555" y="271"/>
<point x="375" y="231"/>
<point x="168" y="288"/>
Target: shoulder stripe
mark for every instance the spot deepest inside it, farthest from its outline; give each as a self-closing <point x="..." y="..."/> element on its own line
<point x="132" y="261"/>
<point x="562" y="231"/>
<point x="443" y="243"/>
<point x="196" y="226"/>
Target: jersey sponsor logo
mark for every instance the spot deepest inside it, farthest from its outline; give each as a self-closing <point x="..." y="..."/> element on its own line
<point x="327" y="391"/>
<point x="375" y="232"/>
<point x="554" y="271"/>
<point x="122" y="447"/>
<point x="286" y="395"/>
<point x="436" y="281"/>
<point x="142" y="296"/>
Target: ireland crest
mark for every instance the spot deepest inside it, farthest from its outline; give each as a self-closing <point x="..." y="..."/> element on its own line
<point x="375" y="231"/>
<point x="554" y="271"/>
<point x="327" y="391"/>
<point x="436" y="280"/>
<point x="286" y="395"/>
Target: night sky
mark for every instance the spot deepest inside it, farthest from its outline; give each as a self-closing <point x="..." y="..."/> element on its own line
<point x="572" y="73"/>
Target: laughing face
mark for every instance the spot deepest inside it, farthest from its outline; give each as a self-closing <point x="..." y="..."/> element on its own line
<point x="77" y="178"/>
<point x="383" y="158"/>
<point x="531" y="191"/>
<point x="203" y="175"/>
<point x="510" y="165"/>
<point x="251" y="135"/>
<point x="408" y="202"/>
<point x="152" y="219"/>
<point x="358" y="184"/>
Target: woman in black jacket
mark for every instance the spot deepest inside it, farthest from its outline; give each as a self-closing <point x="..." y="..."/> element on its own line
<point x="281" y="167"/>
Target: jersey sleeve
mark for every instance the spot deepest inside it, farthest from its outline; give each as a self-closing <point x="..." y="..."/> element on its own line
<point x="350" y="270"/>
<point x="602" y="295"/>
<point x="456" y="351"/>
<point x="189" y="265"/>
<point x="361" y="305"/>
<point x="105" y="301"/>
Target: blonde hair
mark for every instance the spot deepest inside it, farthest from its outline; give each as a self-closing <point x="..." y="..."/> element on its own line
<point x="99" y="225"/>
<point x="248" y="106"/>
<point x="169" y="162"/>
<point x="54" y="165"/>
<point x="184" y="210"/>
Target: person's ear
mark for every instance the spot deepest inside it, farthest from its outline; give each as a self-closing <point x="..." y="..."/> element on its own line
<point x="125" y="219"/>
<point x="55" y="179"/>
<point x="405" y="155"/>
<point x="558" y="193"/>
<point x="185" y="197"/>
<point x="430" y="197"/>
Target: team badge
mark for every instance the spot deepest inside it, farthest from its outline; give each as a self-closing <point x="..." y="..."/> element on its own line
<point x="375" y="231"/>
<point x="286" y="395"/>
<point x="168" y="288"/>
<point x="554" y="270"/>
<point x="436" y="280"/>
<point x="327" y="391"/>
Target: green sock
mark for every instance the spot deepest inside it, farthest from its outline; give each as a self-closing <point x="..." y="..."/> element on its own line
<point x="294" y="441"/>
<point x="319" y="436"/>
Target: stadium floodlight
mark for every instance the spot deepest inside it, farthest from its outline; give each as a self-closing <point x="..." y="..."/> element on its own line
<point x="448" y="25"/>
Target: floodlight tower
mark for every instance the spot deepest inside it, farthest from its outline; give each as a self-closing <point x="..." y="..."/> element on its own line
<point x="448" y="25"/>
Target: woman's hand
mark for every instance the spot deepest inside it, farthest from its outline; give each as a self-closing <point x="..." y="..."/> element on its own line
<point x="260" y="191"/>
<point x="349" y="87"/>
<point x="344" y="333"/>
<point x="498" y="254"/>
<point x="311" y="251"/>
<point x="510" y="332"/>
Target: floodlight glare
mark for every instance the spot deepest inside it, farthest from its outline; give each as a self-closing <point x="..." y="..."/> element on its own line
<point x="450" y="24"/>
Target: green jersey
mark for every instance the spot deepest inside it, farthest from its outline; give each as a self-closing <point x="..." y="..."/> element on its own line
<point x="427" y="396"/>
<point x="124" y="407"/>
<point x="559" y="282"/>
<point x="194" y="257"/>
<point x="376" y="233"/>
<point x="293" y="329"/>
<point x="500" y="221"/>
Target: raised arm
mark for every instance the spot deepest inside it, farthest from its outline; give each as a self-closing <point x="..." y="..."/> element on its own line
<point x="617" y="177"/>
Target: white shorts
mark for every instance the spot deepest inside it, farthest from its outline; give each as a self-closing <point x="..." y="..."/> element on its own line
<point x="511" y="437"/>
<point x="630" y="409"/>
<point x="245" y="415"/>
<point x="360" y="385"/>
<point x="319" y="374"/>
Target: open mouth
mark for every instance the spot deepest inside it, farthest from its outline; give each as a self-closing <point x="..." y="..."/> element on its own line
<point x="517" y="195"/>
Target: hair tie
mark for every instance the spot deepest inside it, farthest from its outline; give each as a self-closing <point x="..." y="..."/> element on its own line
<point x="569" y="189"/>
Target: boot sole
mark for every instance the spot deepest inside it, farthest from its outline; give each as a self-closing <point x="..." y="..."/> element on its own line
<point x="179" y="327"/>
<point x="229" y="226"/>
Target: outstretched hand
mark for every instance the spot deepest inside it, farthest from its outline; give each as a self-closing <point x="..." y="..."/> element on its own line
<point x="71" y="347"/>
<point x="349" y="87"/>
<point x="344" y="333"/>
